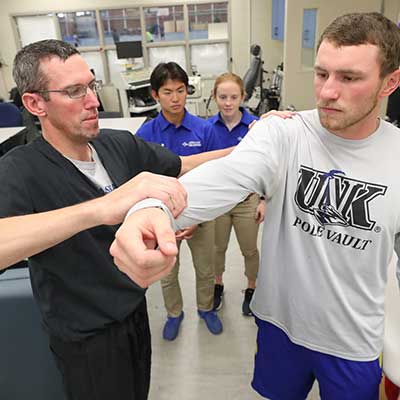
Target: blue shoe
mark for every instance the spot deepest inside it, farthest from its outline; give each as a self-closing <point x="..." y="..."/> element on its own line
<point x="213" y="323"/>
<point x="171" y="327"/>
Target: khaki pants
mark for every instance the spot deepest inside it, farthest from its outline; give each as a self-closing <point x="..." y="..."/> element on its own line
<point x="201" y="245"/>
<point x="241" y="217"/>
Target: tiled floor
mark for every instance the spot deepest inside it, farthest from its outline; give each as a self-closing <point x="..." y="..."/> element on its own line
<point x="198" y="365"/>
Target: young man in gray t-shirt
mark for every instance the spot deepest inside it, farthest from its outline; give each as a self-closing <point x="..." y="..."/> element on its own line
<point x="330" y="177"/>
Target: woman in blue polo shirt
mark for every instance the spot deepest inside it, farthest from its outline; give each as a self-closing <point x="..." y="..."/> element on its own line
<point x="231" y="124"/>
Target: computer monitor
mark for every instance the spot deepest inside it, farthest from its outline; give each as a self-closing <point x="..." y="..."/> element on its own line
<point x="131" y="49"/>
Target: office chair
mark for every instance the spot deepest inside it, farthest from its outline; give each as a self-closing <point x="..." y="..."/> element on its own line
<point x="254" y="78"/>
<point x="10" y="115"/>
<point x="29" y="120"/>
<point x="15" y="97"/>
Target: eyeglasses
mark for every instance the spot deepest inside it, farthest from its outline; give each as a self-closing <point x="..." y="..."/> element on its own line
<point x="77" y="91"/>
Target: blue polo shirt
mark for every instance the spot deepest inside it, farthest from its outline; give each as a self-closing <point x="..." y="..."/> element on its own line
<point x="194" y="135"/>
<point x="227" y="138"/>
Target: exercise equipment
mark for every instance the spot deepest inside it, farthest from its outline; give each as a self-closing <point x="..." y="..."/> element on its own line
<point x="269" y="97"/>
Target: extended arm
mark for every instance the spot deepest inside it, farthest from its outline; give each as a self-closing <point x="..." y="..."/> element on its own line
<point x="27" y="235"/>
<point x="256" y="165"/>
<point x="190" y="162"/>
<point x="24" y="236"/>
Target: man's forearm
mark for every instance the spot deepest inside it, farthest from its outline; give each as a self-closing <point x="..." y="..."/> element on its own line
<point x="24" y="236"/>
<point x="193" y="161"/>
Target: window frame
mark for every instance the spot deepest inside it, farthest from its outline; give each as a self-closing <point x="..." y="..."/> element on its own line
<point x="102" y="48"/>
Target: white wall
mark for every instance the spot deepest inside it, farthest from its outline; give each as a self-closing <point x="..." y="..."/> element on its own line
<point x="391" y="8"/>
<point x="240" y="31"/>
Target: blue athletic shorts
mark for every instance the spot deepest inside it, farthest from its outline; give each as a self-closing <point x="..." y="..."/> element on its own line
<point x="286" y="371"/>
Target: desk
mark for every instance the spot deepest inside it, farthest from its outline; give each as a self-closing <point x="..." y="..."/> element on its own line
<point x="128" y="124"/>
<point x="6" y="133"/>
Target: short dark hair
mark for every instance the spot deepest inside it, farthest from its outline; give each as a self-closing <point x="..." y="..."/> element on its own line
<point x="164" y="71"/>
<point x="27" y="73"/>
<point x="367" y="28"/>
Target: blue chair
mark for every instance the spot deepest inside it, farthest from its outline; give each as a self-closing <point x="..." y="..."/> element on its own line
<point x="10" y="115"/>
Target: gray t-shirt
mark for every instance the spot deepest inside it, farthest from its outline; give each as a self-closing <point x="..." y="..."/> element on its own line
<point x="333" y="212"/>
<point x="95" y="171"/>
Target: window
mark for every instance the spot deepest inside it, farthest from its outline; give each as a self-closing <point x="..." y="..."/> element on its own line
<point x="115" y="66"/>
<point x="79" y="28"/>
<point x="208" y="21"/>
<point x="164" y="23"/>
<point x="37" y="27"/>
<point x="308" y="37"/>
<point x="209" y="59"/>
<point x="165" y="54"/>
<point x="121" y="25"/>
<point x="95" y="63"/>
<point x="194" y="34"/>
<point x="278" y="19"/>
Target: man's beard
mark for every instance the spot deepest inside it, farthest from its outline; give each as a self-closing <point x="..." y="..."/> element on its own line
<point x="345" y="120"/>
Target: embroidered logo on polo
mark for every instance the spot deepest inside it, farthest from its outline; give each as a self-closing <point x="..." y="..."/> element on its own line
<point x="192" y="143"/>
<point x="109" y="188"/>
<point x="335" y="199"/>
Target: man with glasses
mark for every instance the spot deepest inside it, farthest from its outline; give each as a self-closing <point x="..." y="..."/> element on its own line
<point x="82" y="182"/>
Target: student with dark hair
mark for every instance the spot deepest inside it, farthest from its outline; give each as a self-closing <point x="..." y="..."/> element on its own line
<point x="184" y="134"/>
<point x="167" y="71"/>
